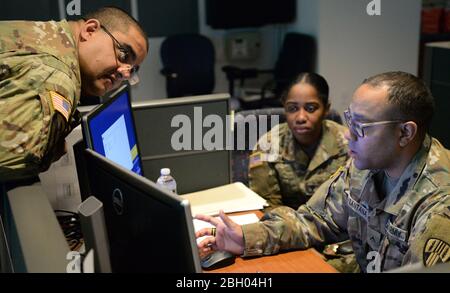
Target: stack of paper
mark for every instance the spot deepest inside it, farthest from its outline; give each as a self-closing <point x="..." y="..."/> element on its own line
<point x="234" y="197"/>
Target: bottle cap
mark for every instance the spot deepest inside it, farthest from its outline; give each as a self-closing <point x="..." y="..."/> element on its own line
<point x="165" y="171"/>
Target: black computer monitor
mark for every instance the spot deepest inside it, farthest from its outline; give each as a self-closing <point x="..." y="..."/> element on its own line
<point x="149" y="229"/>
<point x="109" y="130"/>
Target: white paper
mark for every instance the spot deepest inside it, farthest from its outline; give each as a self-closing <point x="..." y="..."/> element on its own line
<point x="230" y="198"/>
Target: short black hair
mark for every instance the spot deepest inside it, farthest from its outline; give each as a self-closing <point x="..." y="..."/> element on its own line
<point x="313" y="79"/>
<point x="116" y="19"/>
<point x="411" y="97"/>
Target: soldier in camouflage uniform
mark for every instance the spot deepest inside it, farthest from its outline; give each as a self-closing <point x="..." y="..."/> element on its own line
<point x="293" y="159"/>
<point x="44" y="68"/>
<point x="289" y="163"/>
<point x="392" y="199"/>
<point x="291" y="177"/>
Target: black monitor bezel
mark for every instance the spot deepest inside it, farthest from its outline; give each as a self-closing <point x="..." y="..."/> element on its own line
<point x="86" y="119"/>
<point x="148" y="187"/>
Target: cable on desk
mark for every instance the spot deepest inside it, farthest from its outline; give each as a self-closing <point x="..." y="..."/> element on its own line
<point x="70" y="224"/>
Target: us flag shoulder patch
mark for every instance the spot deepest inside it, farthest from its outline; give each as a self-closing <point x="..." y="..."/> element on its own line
<point x="255" y="160"/>
<point x="435" y="251"/>
<point x="61" y="104"/>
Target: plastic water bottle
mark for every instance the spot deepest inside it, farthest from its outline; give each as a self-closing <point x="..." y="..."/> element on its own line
<point x="167" y="181"/>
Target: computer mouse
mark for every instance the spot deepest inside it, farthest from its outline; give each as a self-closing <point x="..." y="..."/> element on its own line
<point x="217" y="259"/>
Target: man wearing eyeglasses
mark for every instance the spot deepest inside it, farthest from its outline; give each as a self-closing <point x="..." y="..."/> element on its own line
<point x="45" y="67"/>
<point x="392" y="199"/>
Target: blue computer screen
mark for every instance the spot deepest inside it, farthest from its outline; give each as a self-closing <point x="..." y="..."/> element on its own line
<point x="113" y="134"/>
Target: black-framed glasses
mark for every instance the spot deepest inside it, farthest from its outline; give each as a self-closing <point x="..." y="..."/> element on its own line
<point x="124" y="56"/>
<point x="358" y="127"/>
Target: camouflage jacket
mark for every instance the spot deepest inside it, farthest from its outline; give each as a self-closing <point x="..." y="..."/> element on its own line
<point x="287" y="176"/>
<point x="39" y="91"/>
<point x="410" y="225"/>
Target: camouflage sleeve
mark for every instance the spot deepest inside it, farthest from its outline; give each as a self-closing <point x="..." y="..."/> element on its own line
<point x="430" y="237"/>
<point x="58" y="129"/>
<point x="262" y="176"/>
<point x="60" y="92"/>
<point x="263" y="180"/>
<point x="33" y="130"/>
<point x="320" y="221"/>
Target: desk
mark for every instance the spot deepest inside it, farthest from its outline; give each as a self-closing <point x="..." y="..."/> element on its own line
<point x="299" y="261"/>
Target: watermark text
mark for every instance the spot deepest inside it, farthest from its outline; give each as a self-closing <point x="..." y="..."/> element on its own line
<point x="374" y="8"/>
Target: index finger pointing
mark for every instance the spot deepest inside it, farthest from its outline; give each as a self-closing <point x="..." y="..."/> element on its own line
<point x="208" y="219"/>
<point x="227" y="221"/>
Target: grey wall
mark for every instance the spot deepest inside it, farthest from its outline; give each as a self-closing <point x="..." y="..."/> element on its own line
<point x="153" y="83"/>
<point x="352" y="45"/>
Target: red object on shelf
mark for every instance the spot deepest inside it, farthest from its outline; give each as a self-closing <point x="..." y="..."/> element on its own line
<point x="431" y="20"/>
<point x="446" y="22"/>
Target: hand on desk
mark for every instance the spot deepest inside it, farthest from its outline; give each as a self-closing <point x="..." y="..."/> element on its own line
<point x="228" y="236"/>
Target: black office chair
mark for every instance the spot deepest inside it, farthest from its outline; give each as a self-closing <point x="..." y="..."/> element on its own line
<point x="188" y="65"/>
<point x="297" y="55"/>
<point x="239" y="157"/>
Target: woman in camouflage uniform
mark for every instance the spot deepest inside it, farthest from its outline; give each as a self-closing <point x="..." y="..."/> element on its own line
<point x="293" y="159"/>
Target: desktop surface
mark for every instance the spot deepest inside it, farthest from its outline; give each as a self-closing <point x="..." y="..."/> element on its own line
<point x="299" y="261"/>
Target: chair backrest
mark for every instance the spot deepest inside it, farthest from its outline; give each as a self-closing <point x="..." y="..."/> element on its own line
<point x="297" y="55"/>
<point x="188" y="64"/>
<point x="334" y="115"/>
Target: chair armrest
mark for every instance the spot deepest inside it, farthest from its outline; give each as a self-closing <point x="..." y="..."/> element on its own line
<point x="234" y="72"/>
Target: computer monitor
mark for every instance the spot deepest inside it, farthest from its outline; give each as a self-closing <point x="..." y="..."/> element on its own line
<point x="149" y="229"/>
<point x="109" y="130"/>
<point x="194" y="169"/>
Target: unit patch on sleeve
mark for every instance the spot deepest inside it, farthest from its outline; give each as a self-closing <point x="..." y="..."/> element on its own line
<point x="435" y="251"/>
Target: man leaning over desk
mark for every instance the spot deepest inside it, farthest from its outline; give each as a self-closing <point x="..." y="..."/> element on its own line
<point x="392" y="199"/>
<point x="45" y="69"/>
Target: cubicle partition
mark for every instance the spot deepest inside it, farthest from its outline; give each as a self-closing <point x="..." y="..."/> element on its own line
<point x="31" y="239"/>
<point x="159" y="125"/>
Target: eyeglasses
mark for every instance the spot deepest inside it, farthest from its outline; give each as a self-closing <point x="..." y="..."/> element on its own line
<point x="358" y="128"/>
<point x="124" y="57"/>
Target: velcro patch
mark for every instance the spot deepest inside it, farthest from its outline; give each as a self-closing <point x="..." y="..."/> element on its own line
<point x="435" y="251"/>
<point x="396" y="232"/>
<point x="255" y="160"/>
<point x="61" y="104"/>
<point x="361" y="209"/>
